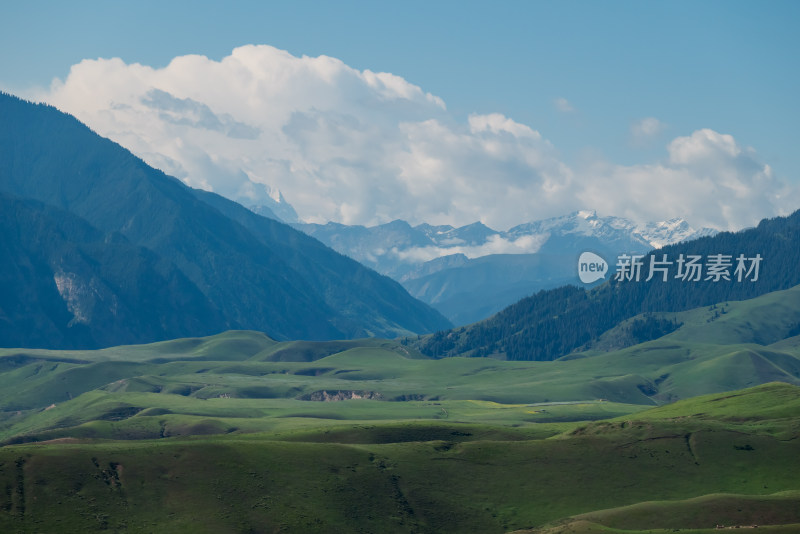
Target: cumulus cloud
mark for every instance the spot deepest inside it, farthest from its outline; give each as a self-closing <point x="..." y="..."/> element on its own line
<point x="361" y="147"/>
<point x="709" y="179"/>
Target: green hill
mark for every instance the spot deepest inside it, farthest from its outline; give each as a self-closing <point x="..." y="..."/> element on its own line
<point x="777" y="513"/>
<point x="244" y="381"/>
<point x="730" y="345"/>
<point x="652" y="470"/>
<point x="763" y="320"/>
<point x="240" y="432"/>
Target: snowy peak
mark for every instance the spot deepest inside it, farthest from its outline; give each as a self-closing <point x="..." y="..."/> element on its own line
<point x="473" y="234"/>
<point x="471" y="271"/>
<point x="588" y="223"/>
<point x="398" y="249"/>
<point x="672" y="231"/>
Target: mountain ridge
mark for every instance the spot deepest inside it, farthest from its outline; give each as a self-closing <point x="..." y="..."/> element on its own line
<point x="51" y="157"/>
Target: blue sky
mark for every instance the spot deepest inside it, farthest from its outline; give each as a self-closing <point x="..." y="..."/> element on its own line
<point x="728" y="66"/>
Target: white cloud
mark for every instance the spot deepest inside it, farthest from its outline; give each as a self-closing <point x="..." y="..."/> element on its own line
<point x="495" y="244"/>
<point x="706" y="146"/>
<point x="646" y="129"/>
<point x="563" y="105"/>
<point x="497" y="123"/>
<point x="360" y="147"/>
<point x="709" y="179"/>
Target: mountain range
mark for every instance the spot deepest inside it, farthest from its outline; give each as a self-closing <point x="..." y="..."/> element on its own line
<point x="470" y="272"/>
<point x="555" y="323"/>
<point x="102" y="249"/>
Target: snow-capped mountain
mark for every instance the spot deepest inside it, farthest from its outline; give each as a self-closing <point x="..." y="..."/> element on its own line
<point x="399" y="250"/>
<point x="470" y="272"/>
<point x="672" y="231"/>
<point x="588" y="223"/>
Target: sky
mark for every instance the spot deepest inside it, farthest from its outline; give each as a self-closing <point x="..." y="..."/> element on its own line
<point x="440" y="112"/>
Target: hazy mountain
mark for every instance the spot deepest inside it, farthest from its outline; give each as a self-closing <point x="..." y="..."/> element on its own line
<point x="553" y="323"/>
<point x="377" y="247"/>
<point x="266" y="276"/>
<point x="470" y="272"/>
<point x="482" y="286"/>
<point x="279" y="210"/>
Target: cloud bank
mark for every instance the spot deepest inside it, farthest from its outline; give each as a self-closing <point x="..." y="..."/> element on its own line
<point x="360" y="147"/>
<point x="495" y="244"/>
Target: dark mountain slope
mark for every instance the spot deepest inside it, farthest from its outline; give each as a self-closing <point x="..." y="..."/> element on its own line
<point x="553" y="323"/>
<point x="51" y="157"/>
<point x="363" y="293"/>
<point x="65" y="283"/>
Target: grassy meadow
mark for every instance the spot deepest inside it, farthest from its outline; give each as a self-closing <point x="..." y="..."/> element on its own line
<point x="424" y="476"/>
<point x="240" y="433"/>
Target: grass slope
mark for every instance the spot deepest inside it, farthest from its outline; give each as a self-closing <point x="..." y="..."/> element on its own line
<point x="730" y="345"/>
<point x="225" y="434"/>
<point x="763" y="320"/>
<point x="778" y="512"/>
<point x="399" y="478"/>
<point x="245" y="382"/>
